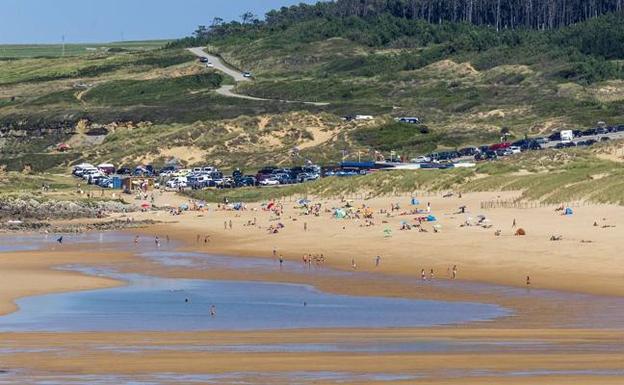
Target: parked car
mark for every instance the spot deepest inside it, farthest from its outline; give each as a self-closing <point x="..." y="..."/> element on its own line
<point x="555" y="137"/>
<point x="203" y="59"/>
<point x="469" y="151"/>
<point x="421" y="159"/>
<point x="515" y="150"/>
<point x="500" y="146"/>
<point x="271" y="181"/>
<point x="247" y="74"/>
<point x="124" y="171"/>
<point x="246" y="181"/>
<point x="177" y="182"/>
<point x="486" y="155"/>
<point x="565" y="145"/>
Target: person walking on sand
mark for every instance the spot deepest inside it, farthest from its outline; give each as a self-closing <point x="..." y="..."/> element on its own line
<point x="230" y="224"/>
<point x="353" y="265"/>
<point x="528" y="281"/>
<point x="428" y="207"/>
<point x="423" y="275"/>
<point x="305" y="226"/>
<point x="274" y="252"/>
<point x="513" y="225"/>
<point x="377" y="261"/>
<point x="431" y="275"/>
<point x="454" y="271"/>
<point x="198" y="238"/>
<point x="225" y="225"/>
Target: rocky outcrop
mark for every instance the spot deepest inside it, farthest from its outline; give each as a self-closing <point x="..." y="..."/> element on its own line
<point x="29" y="209"/>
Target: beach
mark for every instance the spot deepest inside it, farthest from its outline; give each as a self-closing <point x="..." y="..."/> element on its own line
<point x="563" y="328"/>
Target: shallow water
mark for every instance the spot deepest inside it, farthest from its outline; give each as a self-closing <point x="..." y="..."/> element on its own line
<point x="97" y="241"/>
<point x="600" y="311"/>
<point x="159" y="304"/>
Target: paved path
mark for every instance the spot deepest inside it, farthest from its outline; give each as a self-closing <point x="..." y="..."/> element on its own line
<point x="228" y="90"/>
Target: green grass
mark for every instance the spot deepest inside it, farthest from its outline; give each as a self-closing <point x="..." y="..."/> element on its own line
<point x="158" y="91"/>
<point x="20" y="51"/>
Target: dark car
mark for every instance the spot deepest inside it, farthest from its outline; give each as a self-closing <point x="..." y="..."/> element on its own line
<point x="246" y="181"/>
<point x="620" y="127"/>
<point x="565" y="145"/>
<point x="203" y="59"/>
<point x="265" y="172"/>
<point x="486" y="155"/>
<point x="605" y="138"/>
<point x="468" y="151"/>
<point x="589" y="132"/>
<point x="587" y="142"/>
<point x="601" y="131"/>
<point x="284" y="178"/>
<point x="555" y="137"/>
<point x="124" y="171"/>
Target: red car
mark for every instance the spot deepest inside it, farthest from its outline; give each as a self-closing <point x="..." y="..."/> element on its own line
<point x="500" y="146"/>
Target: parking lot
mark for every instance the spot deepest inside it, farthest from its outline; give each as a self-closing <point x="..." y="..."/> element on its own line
<point x="174" y="178"/>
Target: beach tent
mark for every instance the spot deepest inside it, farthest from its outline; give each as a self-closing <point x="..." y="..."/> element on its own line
<point x="568" y="211"/>
<point x="431" y="218"/>
<point x="415" y="202"/>
<point x="303" y="202"/>
<point x="340" y="214"/>
<point x="184" y="207"/>
<point x="387" y="232"/>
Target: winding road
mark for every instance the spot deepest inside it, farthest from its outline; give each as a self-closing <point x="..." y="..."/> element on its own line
<point x="228" y="90"/>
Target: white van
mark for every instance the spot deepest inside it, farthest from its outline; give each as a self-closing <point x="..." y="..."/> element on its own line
<point x="567" y="136"/>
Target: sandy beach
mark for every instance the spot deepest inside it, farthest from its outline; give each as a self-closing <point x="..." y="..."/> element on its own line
<point x="587" y="260"/>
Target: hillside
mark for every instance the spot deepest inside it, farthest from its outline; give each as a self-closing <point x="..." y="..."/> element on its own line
<point x="464" y="78"/>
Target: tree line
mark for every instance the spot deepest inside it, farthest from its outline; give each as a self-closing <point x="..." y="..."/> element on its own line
<point x="534" y="14"/>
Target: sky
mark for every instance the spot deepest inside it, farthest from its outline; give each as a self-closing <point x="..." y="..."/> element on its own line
<point x="102" y="21"/>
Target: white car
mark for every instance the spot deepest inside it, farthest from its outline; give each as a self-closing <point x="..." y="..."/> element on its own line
<point x="515" y="149"/>
<point x="209" y="65"/>
<point x="177" y="182"/>
<point x="421" y="159"/>
<point x="269" y="182"/>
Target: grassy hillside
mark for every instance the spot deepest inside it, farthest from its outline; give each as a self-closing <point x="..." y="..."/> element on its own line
<point x="136" y="102"/>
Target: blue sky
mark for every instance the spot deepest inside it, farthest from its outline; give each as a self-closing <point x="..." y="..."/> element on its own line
<point x="45" y="21"/>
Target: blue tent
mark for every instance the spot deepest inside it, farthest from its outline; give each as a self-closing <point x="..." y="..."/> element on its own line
<point x="415" y="202"/>
<point x="431" y="218"/>
<point x="568" y="211"/>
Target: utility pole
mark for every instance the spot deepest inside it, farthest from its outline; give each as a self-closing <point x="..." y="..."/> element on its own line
<point x="63" y="43"/>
